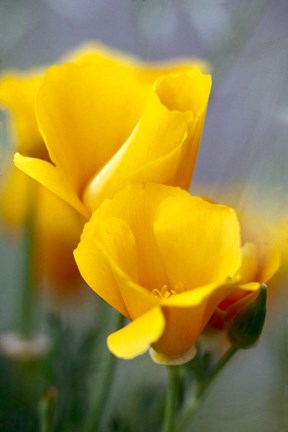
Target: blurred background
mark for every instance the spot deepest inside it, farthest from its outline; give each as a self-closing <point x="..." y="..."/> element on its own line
<point x="245" y="144"/>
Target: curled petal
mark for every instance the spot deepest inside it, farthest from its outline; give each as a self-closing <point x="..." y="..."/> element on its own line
<point x="163" y="146"/>
<point x="110" y="248"/>
<point x="46" y="172"/>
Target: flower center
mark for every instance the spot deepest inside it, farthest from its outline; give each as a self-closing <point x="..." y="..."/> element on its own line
<point x="166" y="291"/>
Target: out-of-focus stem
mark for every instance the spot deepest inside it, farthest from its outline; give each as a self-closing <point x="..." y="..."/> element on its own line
<point x="46" y="409"/>
<point x="27" y="271"/>
<point x="192" y="404"/>
<point x="171" y="400"/>
<point x="104" y="381"/>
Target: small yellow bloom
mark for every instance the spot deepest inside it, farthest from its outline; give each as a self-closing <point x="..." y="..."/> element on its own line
<point x="282" y="237"/>
<point x="108" y="121"/>
<point x="57" y="225"/>
<point x="261" y="258"/>
<point x="57" y="231"/>
<point x="165" y="260"/>
<point x="17" y="95"/>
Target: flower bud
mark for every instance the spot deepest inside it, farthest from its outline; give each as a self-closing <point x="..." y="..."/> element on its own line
<point x="245" y="328"/>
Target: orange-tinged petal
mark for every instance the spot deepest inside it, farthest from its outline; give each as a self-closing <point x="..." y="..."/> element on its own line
<point x="213" y="291"/>
<point x="137" y="337"/>
<point x="186" y="316"/>
<point x="183" y="327"/>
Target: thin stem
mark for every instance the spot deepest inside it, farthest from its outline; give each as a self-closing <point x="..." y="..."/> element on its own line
<point x="171" y="400"/>
<point x="27" y="270"/>
<point x="103" y="384"/>
<point x="46" y="409"/>
<point x="196" y="398"/>
<point x="216" y="370"/>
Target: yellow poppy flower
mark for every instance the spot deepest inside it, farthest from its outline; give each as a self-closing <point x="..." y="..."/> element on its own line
<point x="17" y="95"/>
<point x="109" y="121"/>
<point x="261" y="259"/>
<point x="57" y="225"/>
<point x="57" y="231"/>
<point x="282" y="237"/>
<point x="165" y="260"/>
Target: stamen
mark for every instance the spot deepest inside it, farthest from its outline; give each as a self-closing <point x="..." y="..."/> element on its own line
<point x="166" y="291"/>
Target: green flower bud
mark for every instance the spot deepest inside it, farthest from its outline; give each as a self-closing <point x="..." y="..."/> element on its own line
<point x="244" y="330"/>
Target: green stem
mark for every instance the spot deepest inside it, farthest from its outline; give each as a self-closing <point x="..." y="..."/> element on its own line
<point x="102" y="387"/>
<point x="196" y="398"/>
<point x="216" y="370"/>
<point x="171" y="400"/>
<point x="27" y="270"/>
<point x="46" y="409"/>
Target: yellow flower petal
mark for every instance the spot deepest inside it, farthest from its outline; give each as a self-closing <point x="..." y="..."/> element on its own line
<point x="17" y="94"/>
<point x="157" y="243"/>
<point x="167" y="135"/>
<point x="249" y="266"/>
<point x="58" y="228"/>
<point x="99" y="54"/>
<point x="46" y="172"/>
<point x="186" y="316"/>
<point x="92" y="261"/>
<point x="270" y="261"/>
<point x="85" y="114"/>
<point x="13" y="195"/>
<point x="137" y="337"/>
<point x="106" y="89"/>
<point x="101" y="134"/>
<point x="109" y="246"/>
<point x="136" y="206"/>
<point x="196" y="230"/>
<point x="260" y="262"/>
